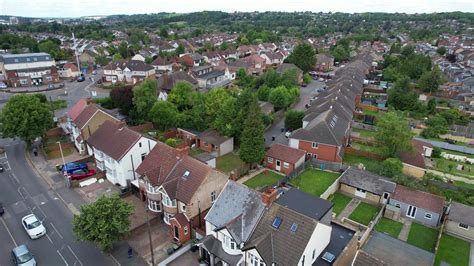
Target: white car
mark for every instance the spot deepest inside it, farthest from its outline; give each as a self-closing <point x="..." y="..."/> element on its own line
<point x="288" y="134"/>
<point x="3" y="85"/>
<point x="33" y="226"/>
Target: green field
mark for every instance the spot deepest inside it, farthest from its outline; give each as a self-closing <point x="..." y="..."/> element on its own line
<point x="340" y="202"/>
<point x="314" y="181"/>
<point x="228" y="162"/>
<point x="364" y="213"/>
<point x="390" y="227"/>
<point x="422" y="236"/>
<point x="263" y="179"/>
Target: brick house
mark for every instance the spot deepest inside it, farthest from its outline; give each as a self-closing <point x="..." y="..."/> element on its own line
<point x="31" y="69"/>
<point x="214" y="143"/>
<point x="284" y="159"/>
<point x="324" y="62"/>
<point x="178" y="187"/>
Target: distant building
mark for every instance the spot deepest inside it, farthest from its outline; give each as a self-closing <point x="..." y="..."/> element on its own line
<point x="28" y="69"/>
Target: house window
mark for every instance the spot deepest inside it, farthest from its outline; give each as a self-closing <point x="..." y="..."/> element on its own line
<point x="428" y="216"/>
<point x="23" y="81"/>
<point x="168" y="202"/>
<point x="255" y="261"/>
<point x="360" y="190"/>
<point x="314" y="145"/>
<point x="397" y="205"/>
<point x="314" y="254"/>
<point x="167" y="218"/>
<point x="286" y="165"/>
<point x="183" y="208"/>
<point x="213" y="196"/>
<point x="463" y="226"/>
<point x="154" y="205"/>
<point x="186" y="230"/>
<point x="143" y="156"/>
<point x="49" y="78"/>
<point x="139" y="144"/>
<point x="270" y="159"/>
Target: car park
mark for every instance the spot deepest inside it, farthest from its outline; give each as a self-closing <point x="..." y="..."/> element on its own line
<point x="21" y="255"/>
<point x="33" y="226"/>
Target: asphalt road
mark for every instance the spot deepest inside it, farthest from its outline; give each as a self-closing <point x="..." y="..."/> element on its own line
<point x="23" y="192"/>
<point x="276" y="129"/>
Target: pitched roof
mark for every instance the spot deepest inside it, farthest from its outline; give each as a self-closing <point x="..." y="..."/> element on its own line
<point x="181" y="177"/>
<point x="77" y="109"/>
<point x="25" y="58"/>
<point x="286" y="66"/>
<point x="85" y="115"/>
<point x="213" y="137"/>
<point x="133" y="65"/>
<point x="419" y="198"/>
<point x="163" y="61"/>
<point x="461" y="213"/>
<point x="415" y="157"/>
<point x="368" y="181"/>
<point x="238" y="209"/>
<point x="168" y="81"/>
<point x="285" y="153"/>
<point x="114" y="139"/>
<point x="304" y="203"/>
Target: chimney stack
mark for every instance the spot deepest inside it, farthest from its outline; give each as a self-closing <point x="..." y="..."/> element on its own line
<point x="182" y="151"/>
<point x="268" y="196"/>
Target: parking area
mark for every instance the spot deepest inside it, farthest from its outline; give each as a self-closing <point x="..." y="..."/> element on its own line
<point x="396" y="252"/>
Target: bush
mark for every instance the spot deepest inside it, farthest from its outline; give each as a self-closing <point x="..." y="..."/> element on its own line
<point x="171" y="142"/>
<point x="391" y="167"/>
<point x="106" y="102"/>
<point x="436" y="152"/>
<point x="294" y="119"/>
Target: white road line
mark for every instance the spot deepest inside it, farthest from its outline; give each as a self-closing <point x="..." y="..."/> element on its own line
<point x="115" y="260"/>
<point x="74" y="254"/>
<point x="54" y="227"/>
<point x="44" y="214"/>
<point x="49" y="238"/>
<point x="10" y="233"/>
<point x="59" y="253"/>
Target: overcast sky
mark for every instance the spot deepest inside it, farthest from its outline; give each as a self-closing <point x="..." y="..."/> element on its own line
<point x="77" y="8"/>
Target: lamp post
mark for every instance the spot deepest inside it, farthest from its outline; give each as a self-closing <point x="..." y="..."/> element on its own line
<point x="149" y="236"/>
<point x="64" y="162"/>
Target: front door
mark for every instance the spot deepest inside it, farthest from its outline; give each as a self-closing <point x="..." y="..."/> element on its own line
<point x="278" y="165"/>
<point x="385" y="197"/>
<point x="411" y="211"/>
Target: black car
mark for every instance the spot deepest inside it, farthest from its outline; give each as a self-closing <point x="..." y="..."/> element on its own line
<point x="2" y="210"/>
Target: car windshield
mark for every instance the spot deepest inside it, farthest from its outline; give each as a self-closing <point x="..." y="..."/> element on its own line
<point x="25" y="257"/>
<point x="34" y="225"/>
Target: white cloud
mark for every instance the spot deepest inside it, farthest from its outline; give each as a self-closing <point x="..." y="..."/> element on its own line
<point x="75" y="8"/>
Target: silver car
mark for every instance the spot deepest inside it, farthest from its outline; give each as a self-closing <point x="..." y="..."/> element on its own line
<point x="22" y="256"/>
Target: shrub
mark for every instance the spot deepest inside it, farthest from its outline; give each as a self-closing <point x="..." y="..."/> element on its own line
<point x="171" y="142"/>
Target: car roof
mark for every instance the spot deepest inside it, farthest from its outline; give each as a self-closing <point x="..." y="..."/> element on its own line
<point x="20" y="250"/>
<point x="30" y="218"/>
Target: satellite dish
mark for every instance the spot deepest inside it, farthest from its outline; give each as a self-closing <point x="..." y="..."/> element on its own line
<point x="460" y="107"/>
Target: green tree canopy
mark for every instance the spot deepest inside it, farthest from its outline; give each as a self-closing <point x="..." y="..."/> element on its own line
<point x="294" y="119"/>
<point x="252" y="146"/>
<point x="401" y="96"/>
<point x="225" y="119"/>
<point x="182" y="95"/>
<point x="26" y="117"/>
<point x="303" y="56"/>
<point x="144" y="97"/>
<point x="215" y="100"/>
<point x="165" y="114"/>
<point x="280" y="97"/>
<point x="430" y="80"/>
<point x="393" y="134"/>
<point x="441" y="50"/>
<point x="103" y="222"/>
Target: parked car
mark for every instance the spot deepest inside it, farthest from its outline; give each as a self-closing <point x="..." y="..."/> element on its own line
<point x="81" y="78"/>
<point x="2" y="210"/>
<point x="94" y="72"/>
<point x="1" y="168"/>
<point x="21" y="255"/>
<point x="288" y="134"/>
<point x="81" y="174"/>
<point x="33" y="226"/>
<point x="451" y="141"/>
<point x="71" y="167"/>
<point x="3" y="85"/>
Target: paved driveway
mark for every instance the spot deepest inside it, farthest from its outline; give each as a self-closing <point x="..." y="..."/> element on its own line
<point x="396" y="252"/>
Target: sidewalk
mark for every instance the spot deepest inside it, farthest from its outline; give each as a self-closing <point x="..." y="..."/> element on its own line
<point x="73" y="201"/>
<point x="405" y="230"/>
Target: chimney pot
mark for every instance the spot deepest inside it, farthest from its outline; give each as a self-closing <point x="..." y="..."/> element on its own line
<point x="268" y="196"/>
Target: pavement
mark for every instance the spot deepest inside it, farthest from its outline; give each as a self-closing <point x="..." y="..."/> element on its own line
<point x="26" y="189"/>
<point x="405" y="229"/>
<point x="276" y="129"/>
<point x="471" y="257"/>
<point x="189" y="258"/>
<point x="348" y="209"/>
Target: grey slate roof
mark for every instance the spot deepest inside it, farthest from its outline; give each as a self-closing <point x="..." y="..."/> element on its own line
<point x="214" y="246"/>
<point x="461" y="213"/>
<point x="368" y="181"/>
<point x="238" y="209"/>
<point x="23" y="58"/>
<point x="301" y="202"/>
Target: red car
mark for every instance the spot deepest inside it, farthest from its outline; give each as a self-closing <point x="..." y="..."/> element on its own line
<point x="81" y="174"/>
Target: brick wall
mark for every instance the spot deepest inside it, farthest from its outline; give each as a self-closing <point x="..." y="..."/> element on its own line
<point x="324" y="152"/>
<point x="283" y="170"/>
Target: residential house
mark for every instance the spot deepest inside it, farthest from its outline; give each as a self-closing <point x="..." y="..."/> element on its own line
<point x="28" y="69"/>
<point x="221" y="65"/>
<point x="83" y="124"/>
<point x="138" y="57"/>
<point x="294" y="230"/>
<point x="163" y="64"/>
<point x="460" y="221"/>
<point x="191" y="60"/>
<point x="273" y="58"/>
<point x="118" y="151"/>
<point x="291" y="67"/>
<point x="208" y="78"/>
<point x="88" y="57"/>
<point x="229" y="53"/>
<point x="257" y="64"/>
<point x="178" y="187"/>
<point x="168" y="80"/>
<point x="210" y="57"/>
<point x="414" y="161"/>
<point x="230" y="223"/>
<point x="131" y="72"/>
<point x="246" y="50"/>
<point x="366" y="185"/>
<point x="267" y="47"/>
<point x="421" y="206"/>
<point x="235" y="66"/>
<point x="216" y="144"/>
<point x="68" y="70"/>
<point x="324" y="62"/>
<point x="284" y="159"/>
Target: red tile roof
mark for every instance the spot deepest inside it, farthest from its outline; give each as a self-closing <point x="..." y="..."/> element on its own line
<point x="77" y="109"/>
<point x="181" y="219"/>
<point x="419" y="198"/>
<point x="114" y="139"/>
<point x="415" y="157"/>
<point x="84" y="116"/>
<point x="285" y="153"/>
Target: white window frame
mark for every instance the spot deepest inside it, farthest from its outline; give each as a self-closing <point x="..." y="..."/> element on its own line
<point x="213" y="196"/>
<point x="463" y="226"/>
<point x="428" y="215"/>
<point x="411" y="211"/>
<point x="270" y="160"/>
<point x="286" y="165"/>
<point x="167" y="218"/>
<point x="154" y="205"/>
<point x="185" y="230"/>
<point x="167" y="201"/>
<point x="314" y="145"/>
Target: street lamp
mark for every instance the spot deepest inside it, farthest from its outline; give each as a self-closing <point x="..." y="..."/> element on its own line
<point x="149" y="235"/>
<point x="64" y="163"/>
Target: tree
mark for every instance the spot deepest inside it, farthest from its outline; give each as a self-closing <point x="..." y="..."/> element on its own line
<point x="164" y="114"/>
<point x="103" y="222"/>
<point x="252" y="146"/>
<point x="225" y="119"/>
<point x="279" y="97"/>
<point x="116" y="57"/>
<point x="408" y="50"/>
<point x="431" y="105"/>
<point x="163" y="33"/>
<point x="26" y="117"/>
<point x="263" y="92"/>
<point x="182" y="95"/>
<point x="303" y="56"/>
<point x="340" y="53"/>
<point x="401" y="97"/>
<point x="180" y="50"/>
<point x="123" y="50"/>
<point x="122" y="97"/>
<point x="441" y="50"/>
<point x="215" y="100"/>
<point x="307" y="78"/>
<point x="144" y="97"/>
<point x="393" y="134"/>
<point x="294" y="119"/>
<point x="391" y="167"/>
<point x="430" y="80"/>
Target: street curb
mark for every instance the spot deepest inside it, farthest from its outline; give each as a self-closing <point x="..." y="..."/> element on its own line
<point x="50" y="183"/>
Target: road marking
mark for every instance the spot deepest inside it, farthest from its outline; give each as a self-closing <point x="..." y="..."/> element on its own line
<point x="10" y="233"/>
<point x="54" y="227"/>
<point x="59" y="253"/>
<point x="74" y="254"/>
<point x="115" y="260"/>
<point x="49" y="238"/>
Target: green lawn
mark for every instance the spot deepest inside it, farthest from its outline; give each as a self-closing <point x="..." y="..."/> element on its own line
<point x="58" y="104"/>
<point x="194" y="151"/>
<point x="368" y="147"/>
<point x="263" y="179"/>
<point x="422" y="236"/>
<point x="340" y="202"/>
<point x="364" y="133"/>
<point x="464" y="184"/>
<point x="453" y="250"/>
<point x="356" y="159"/>
<point x="229" y="162"/>
<point x="368" y="112"/>
<point x="443" y="165"/>
<point x="389" y="227"/>
<point x="364" y="213"/>
<point x="314" y="181"/>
